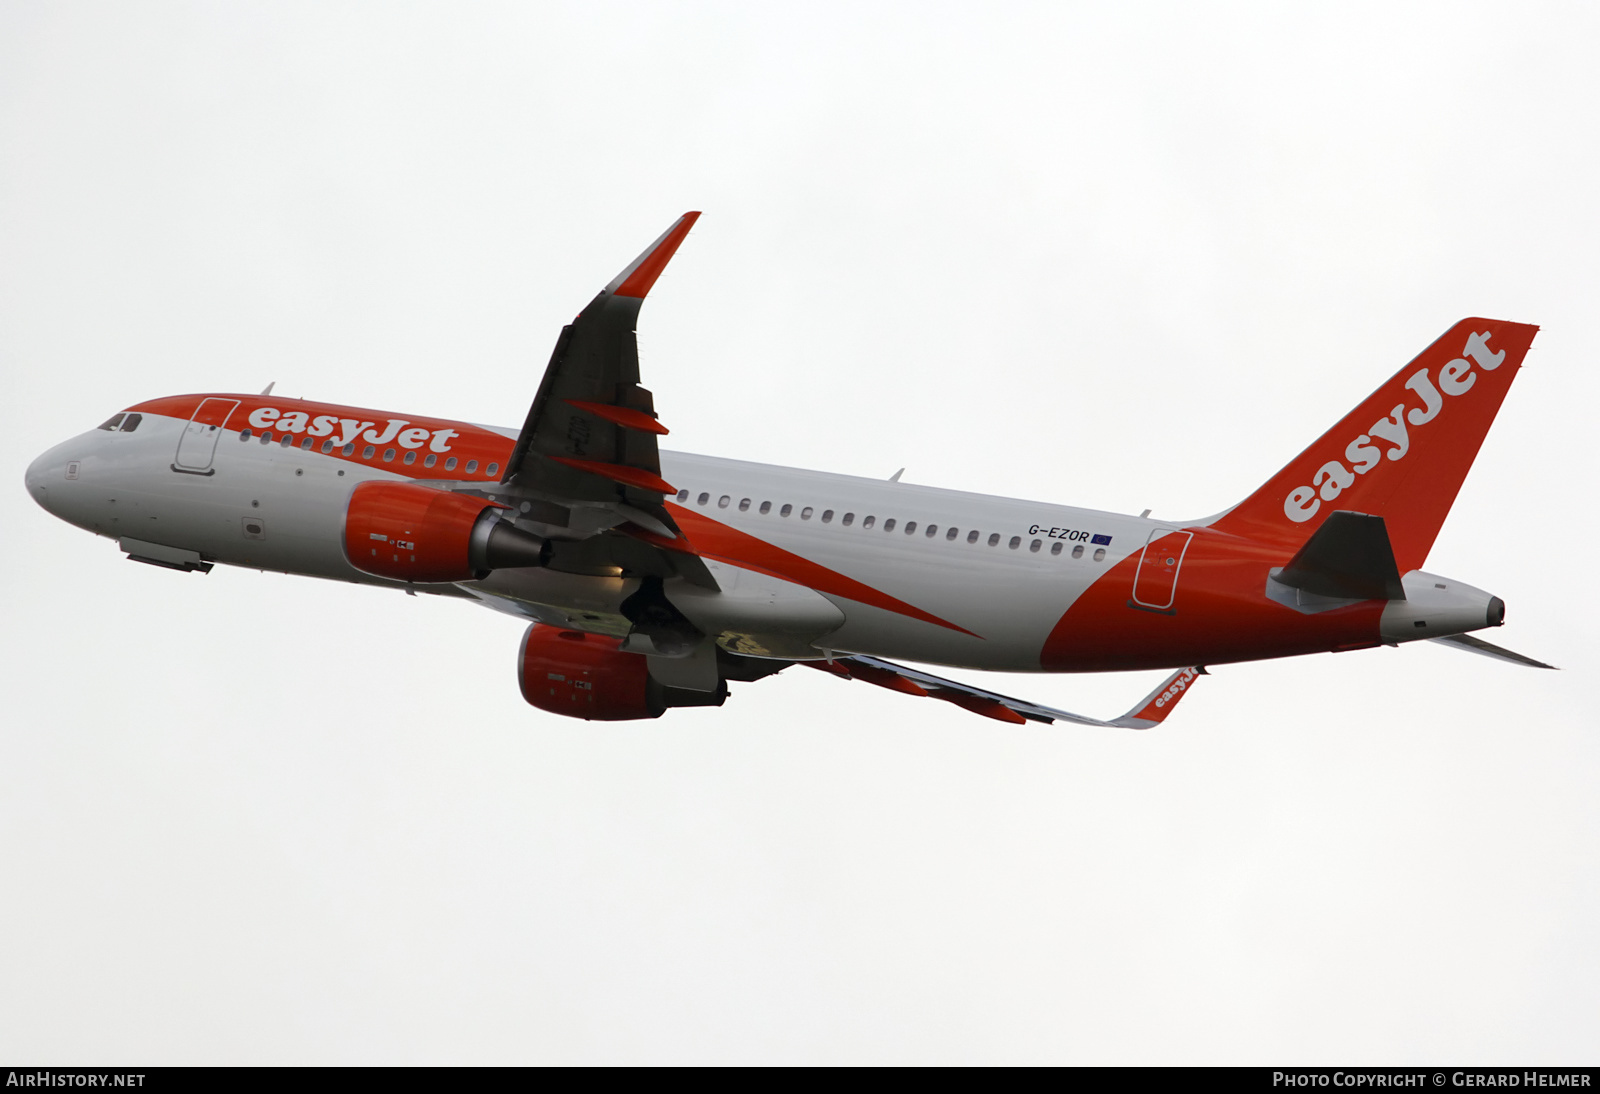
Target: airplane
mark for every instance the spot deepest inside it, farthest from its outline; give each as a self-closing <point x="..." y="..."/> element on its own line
<point x="652" y="579"/>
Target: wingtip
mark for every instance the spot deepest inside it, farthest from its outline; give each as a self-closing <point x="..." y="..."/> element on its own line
<point x="637" y="280"/>
<point x="1159" y="703"/>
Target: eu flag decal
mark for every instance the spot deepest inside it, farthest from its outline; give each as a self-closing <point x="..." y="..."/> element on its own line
<point x="1101" y="541"/>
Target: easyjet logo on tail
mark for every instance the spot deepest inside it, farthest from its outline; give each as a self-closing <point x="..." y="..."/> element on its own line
<point x="1334" y="477"/>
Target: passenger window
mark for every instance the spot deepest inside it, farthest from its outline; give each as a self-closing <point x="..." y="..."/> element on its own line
<point x="744" y="505"/>
<point x="111" y="423"/>
<point x="287" y="442"/>
<point x="1099" y="554"/>
<point x="888" y="525"/>
<point x="1055" y="548"/>
<point x="911" y="526"/>
<point x="766" y="507"/>
<point x="805" y="514"/>
<point x="491" y="469"/>
<point x="994" y="539"/>
<point x="266" y="437"/>
<point x="472" y="467"/>
<point x="1016" y="541"/>
<point x="131" y="422"/>
<point x="827" y="516"/>
<point x="786" y="510"/>
<point x="933" y="530"/>
<point x="449" y="463"/>
<point x="429" y="462"/>
<point x="683" y="495"/>
<point x="366" y="453"/>
<point x="411" y="457"/>
<point x="722" y="502"/>
<point x="245" y="434"/>
<point x="848" y="519"/>
<point x="952" y="533"/>
<point x="305" y="445"/>
<point x="702" y="499"/>
<point x="327" y="446"/>
<point x="972" y="536"/>
<point x="349" y="449"/>
<point x="1034" y="546"/>
<point x="1077" y="550"/>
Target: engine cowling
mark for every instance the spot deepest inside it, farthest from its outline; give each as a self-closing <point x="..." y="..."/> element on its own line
<point x="413" y="533"/>
<point x="586" y="676"/>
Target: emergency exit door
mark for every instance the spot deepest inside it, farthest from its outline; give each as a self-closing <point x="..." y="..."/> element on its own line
<point x="198" y="445"/>
<point x="1155" y="585"/>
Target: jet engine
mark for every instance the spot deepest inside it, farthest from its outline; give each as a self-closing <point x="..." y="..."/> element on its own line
<point x="413" y="533"/>
<point x="586" y="676"/>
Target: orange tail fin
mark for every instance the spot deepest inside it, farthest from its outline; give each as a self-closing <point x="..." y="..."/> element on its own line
<point x="1403" y="453"/>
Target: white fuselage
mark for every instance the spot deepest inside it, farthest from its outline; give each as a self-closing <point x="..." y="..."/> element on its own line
<point x="999" y="583"/>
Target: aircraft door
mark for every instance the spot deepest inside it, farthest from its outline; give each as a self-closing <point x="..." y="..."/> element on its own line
<point x="1155" y="585"/>
<point x="198" y="444"/>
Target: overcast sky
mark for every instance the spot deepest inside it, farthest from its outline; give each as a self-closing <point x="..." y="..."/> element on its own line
<point x="1122" y="256"/>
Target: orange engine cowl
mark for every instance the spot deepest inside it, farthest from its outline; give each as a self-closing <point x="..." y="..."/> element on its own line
<point x="586" y="676"/>
<point x="413" y="533"/>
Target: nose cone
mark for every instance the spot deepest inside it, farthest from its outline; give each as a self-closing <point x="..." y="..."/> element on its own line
<point x="35" y="480"/>
<point x="49" y="478"/>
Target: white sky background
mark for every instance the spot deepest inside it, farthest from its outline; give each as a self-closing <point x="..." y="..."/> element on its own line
<point x="1124" y="259"/>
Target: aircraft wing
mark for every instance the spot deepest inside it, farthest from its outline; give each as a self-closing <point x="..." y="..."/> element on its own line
<point x="1149" y="711"/>
<point x="590" y="437"/>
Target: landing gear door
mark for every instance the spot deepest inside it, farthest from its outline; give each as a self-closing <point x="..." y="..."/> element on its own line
<point x="1156" y="584"/>
<point x="198" y="444"/>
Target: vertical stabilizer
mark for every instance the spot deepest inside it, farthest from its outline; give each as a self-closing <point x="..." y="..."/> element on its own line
<point x="1403" y="453"/>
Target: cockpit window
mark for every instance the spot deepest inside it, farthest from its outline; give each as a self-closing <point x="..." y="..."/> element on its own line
<point x="122" y="423"/>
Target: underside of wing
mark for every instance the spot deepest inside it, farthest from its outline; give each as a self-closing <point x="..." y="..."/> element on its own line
<point x="591" y="432"/>
<point x="586" y="460"/>
<point x="1150" y="711"/>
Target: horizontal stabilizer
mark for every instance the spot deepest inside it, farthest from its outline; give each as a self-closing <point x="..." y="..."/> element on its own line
<point x="1348" y="557"/>
<point x="1489" y="649"/>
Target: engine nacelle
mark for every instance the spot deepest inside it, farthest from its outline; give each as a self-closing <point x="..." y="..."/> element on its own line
<point x="586" y="676"/>
<point x="413" y="533"/>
